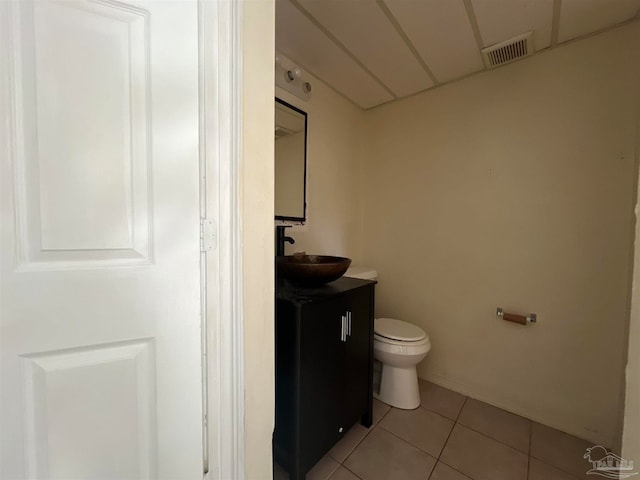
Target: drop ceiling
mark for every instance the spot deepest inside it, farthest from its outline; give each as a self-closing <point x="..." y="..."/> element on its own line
<point x="377" y="51"/>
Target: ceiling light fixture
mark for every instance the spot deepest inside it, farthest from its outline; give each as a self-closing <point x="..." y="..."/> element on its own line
<point x="290" y="77"/>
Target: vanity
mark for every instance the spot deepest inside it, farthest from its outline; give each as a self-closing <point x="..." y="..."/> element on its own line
<point x="324" y="368"/>
<point x="323" y="334"/>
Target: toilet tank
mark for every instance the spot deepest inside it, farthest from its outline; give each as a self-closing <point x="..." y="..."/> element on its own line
<point x="363" y="273"/>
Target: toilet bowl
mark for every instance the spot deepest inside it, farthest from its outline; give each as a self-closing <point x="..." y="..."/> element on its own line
<point x="399" y="346"/>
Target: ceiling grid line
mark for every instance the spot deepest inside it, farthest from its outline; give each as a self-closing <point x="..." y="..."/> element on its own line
<point x="473" y="21"/>
<point x="392" y="19"/>
<point x="341" y="46"/>
<point x="555" y="23"/>
<point x="372" y="52"/>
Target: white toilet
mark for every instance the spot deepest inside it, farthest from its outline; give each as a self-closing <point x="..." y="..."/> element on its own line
<point x="399" y="346"/>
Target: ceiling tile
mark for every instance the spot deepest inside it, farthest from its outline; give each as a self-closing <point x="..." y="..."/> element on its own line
<point x="501" y="20"/>
<point x="364" y="29"/>
<point x="579" y="17"/>
<point x="304" y="43"/>
<point x="441" y="33"/>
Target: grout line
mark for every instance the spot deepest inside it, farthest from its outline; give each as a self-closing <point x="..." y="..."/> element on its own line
<point x="491" y="438"/>
<point x="466" y="398"/>
<point x="355" y="447"/>
<point x="437" y="413"/>
<point x="354" y="473"/>
<point x="454" y="468"/>
<point x="384" y="415"/>
<point x="553" y="467"/>
<point x="455" y="422"/>
<point x="410" y="443"/>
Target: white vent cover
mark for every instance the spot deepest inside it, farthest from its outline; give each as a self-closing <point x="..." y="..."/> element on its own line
<point x="508" y="51"/>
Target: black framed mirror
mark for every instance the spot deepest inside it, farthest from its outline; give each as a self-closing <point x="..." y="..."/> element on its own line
<point x="290" y="162"/>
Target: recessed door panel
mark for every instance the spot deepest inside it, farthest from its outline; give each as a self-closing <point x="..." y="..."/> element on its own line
<point x="100" y="327"/>
<point x="81" y="122"/>
<point x="104" y="429"/>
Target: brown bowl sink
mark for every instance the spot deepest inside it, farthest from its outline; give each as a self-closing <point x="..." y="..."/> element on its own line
<point x="311" y="270"/>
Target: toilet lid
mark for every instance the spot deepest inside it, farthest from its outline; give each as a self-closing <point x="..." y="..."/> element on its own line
<point x="398" y="330"/>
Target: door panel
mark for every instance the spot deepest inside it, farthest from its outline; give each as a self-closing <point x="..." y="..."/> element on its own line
<point x="321" y="356"/>
<point x="357" y="356"/>
<point x="113" y="395"/>
<point x="82" y="125"/>
<point x="100" y="371"/>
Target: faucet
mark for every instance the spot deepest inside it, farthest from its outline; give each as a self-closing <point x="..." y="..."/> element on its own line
<point x="281" y="238"/>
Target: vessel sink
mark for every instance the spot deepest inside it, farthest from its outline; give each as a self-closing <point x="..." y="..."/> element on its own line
<point x="311" y="270"/>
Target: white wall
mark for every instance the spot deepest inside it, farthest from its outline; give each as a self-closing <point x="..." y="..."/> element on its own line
<point x="257" y="234"/>
<point x="514" y="188"/>
<point x="334" y="153"/>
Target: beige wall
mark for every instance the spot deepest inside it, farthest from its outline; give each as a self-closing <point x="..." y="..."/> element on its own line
<point x="514" y="188"/>
<point x="631" y="436"/>
<point x="334" y="152"/>
<point x="257" y="233"/>
<point x="289" y="175"/>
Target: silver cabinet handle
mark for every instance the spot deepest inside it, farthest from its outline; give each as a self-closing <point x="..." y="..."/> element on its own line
<point x="343" y="328"/>
<point x="348" y="323"/>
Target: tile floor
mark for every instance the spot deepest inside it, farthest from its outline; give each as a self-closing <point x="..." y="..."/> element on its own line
<point x="450" y="437"/>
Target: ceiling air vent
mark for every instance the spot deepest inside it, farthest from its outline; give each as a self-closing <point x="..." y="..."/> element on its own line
<point x="508" y="51"/>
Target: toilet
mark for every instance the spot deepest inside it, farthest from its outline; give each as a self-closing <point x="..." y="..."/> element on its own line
<point x="399" y="346"/>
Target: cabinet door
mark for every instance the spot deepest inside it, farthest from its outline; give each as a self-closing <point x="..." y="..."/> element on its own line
<point x="357" y="364"/>
<point x="321" y="364"/>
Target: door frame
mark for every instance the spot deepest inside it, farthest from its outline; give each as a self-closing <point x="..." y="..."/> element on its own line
<point x="221" y="162"/>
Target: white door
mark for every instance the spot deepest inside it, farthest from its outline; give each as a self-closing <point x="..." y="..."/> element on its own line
<point x="99" y="265"/>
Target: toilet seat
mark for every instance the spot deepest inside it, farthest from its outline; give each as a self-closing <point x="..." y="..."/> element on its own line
<point x="402" y="343"/>
<point x="394" y="331"/>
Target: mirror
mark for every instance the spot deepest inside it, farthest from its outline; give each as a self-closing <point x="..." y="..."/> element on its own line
<point x="290" y="162"/>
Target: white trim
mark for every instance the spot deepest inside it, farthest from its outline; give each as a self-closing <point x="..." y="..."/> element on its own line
<point x="221" y="90"/>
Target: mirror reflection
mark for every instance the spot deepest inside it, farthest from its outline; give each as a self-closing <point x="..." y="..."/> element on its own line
<point x="290" y="161"/>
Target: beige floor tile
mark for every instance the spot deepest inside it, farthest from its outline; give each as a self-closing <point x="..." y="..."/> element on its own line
<point x="483" y="458"/>
<point x="423" y="428"/>
<point x="441" y="400"/>
<point x="560" y="450"/>
<point x="496" y="423"/>
<point x="343" y="474"/>
<point x="445" y="472"/>
<point x="349" y="442"/>
<point x="323" y="469"/>
<point x="380" y="409"/>
<point x="541" y="471"/>
<point x="383" y="456"/>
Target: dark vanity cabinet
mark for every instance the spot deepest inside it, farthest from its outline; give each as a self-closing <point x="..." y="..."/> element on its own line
<point x="324" y="368"/>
